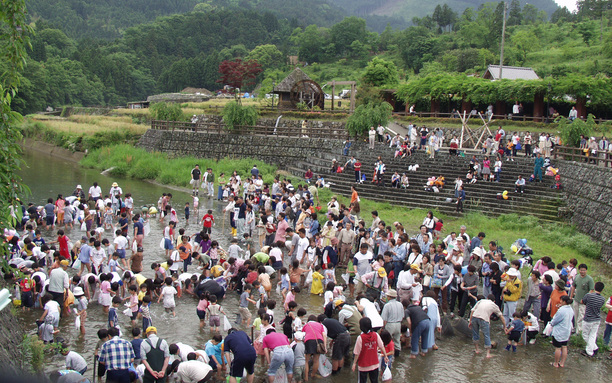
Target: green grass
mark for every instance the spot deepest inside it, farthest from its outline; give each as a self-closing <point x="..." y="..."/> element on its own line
<point x="129" y="161"/>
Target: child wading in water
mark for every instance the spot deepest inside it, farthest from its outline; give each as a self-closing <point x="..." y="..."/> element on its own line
<point x="514" y="331"/>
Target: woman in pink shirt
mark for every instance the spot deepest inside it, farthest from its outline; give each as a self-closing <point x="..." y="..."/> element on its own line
<point x="315" y="334"/>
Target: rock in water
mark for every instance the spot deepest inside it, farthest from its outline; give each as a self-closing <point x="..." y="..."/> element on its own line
<point x="461" y="327"/>
<point x="447" y="327"/>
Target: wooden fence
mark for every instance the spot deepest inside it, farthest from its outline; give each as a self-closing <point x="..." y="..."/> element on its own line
<point x="576" y="154"/>
<point x="495" y="117"/>
<point x="258" y="130"/>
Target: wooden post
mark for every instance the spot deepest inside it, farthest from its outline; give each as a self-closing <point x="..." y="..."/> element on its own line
<point x="333" y="94"/>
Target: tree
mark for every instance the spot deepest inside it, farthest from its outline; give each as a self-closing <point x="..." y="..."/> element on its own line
<point x="14" y="39"/>
<point x="380" y="72"/>
<point x="524" y="41"/>
<point x="588" y="30"/>
<point x="238" y="74"/>
<point x="268" y="56"/>
<point x="237" y="115"/>
<point x="368" y="115"/>
<point x="515" y="17"/>
<point x="561" y="15"/>
<point x="345" y="32"/>
<point x="167" y="111"/>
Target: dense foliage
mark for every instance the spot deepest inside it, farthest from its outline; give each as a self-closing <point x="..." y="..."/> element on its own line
<point x="237" y="115"/>
<point x="13" y="42"/>
<point x="166" y="111"/>
<point x="180" y="51"/>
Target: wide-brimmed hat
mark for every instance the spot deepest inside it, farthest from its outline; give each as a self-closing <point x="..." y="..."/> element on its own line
<point x="382" y="272"/>
<point x="513" y="272"/>
<point x="150" y="329"/>
<point x="78" y="291"/>
<point x="338" y="302"/>
<point x="392" y="293"/>
<point x="115" y="184"/>
<point x="560" y="283"/>
<point x="79" y="187"/>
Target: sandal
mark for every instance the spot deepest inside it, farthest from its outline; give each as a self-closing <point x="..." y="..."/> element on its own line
<point x="554" y="365"/>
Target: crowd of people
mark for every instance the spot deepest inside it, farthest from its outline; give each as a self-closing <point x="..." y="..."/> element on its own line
<point x="382" y="290"/>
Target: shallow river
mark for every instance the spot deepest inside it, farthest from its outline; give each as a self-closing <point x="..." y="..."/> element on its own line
<point x="48" y="176"/>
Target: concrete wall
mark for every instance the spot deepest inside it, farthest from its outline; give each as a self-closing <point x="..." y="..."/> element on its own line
<point x="589" y="199"/>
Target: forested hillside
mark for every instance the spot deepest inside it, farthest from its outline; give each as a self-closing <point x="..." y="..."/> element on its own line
<point x="109" y="19"/>
<point x="185" y="50"/>
<point x="408" y="9"/>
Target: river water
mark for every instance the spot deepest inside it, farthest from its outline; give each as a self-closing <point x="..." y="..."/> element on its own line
<point x="48" y="176"/>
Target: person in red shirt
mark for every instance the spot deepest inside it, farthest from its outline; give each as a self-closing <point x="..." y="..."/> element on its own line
<point x="207" y="222"/>
<point x="366" y="352"/>
<point x="25" y="285"/>
<point x="357" y="167"/>
<point x="62" y="240"/>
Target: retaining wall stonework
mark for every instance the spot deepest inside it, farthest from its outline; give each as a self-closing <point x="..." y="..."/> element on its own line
<point x="588" y="194"/>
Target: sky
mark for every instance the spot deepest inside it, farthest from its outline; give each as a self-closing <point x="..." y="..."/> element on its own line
<point x="570" y="4"/>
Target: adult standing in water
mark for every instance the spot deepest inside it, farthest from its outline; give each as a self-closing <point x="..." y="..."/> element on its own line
<point x="480" y="319"/>
<point x="238" y="343"/>
<point x="196" y="175"/>
<point x="561" y="330"/>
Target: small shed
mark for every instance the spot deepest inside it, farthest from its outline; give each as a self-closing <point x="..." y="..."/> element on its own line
<point x="510" y="73"/>
<point x="138" y="105"/>
<point x="298" y="87"/>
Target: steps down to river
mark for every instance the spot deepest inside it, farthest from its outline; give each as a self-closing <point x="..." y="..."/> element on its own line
<point x="539" y="199"/>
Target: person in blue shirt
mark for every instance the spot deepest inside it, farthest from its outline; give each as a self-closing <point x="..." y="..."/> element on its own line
<point x="136" y="342"/>
<point x="514" y="331"/>
<point x="213" y="350"/>
<point x="239" y="343"/>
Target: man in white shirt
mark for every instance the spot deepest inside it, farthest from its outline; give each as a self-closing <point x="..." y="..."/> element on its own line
<point x="519" y="184"/>
<point x="302" y="246"/>
<point x="95" y="191"/>
<point x="194" y="371"/>
<point x="372" y="137"/>
<point x="405" y="281"/>
<point x="380" y="131"/>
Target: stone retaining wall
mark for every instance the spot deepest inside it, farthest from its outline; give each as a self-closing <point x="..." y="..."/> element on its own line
<point x="282" y="151"/>
<point x="588" y="196"/>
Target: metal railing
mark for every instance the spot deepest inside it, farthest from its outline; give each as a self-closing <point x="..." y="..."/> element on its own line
<point x="602" y="159"/>
<point x="258" y="130"/>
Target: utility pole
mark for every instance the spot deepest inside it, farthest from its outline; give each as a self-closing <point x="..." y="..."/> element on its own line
<point x="501" y="53"/>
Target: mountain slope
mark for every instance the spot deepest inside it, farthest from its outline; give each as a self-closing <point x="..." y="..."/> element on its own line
<point x="408" y="9"/>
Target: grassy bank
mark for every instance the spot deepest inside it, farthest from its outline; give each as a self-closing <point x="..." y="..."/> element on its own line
<point x="82" y="132"/>
<point x="128" y="161"/>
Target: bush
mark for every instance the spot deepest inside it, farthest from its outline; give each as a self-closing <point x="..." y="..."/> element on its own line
<point x="368" y="115"/>
<point x="572" y="130"/>
<point x="235" y="114"/>
<point x="166" y="111"/>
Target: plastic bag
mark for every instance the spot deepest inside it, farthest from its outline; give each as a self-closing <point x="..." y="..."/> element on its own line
<point x="162" y="243"/>
<point x="345" y="277"/>
<point x="83" y="226"/>
<point x="281" y="376"/>
<point x="325" y="366"/>
<point x="76" y="264"/>
<point x="548" y="329"/>
<point x="77" y="322"/>
<point x="386" y="374"/>
<point x="147" y="229"/>
<point x="278" y="289"/>
<point x="226" y="324"/>
<point x="309" y="277"/>
<point x="134" y="246"/>
<point x="127" y="312"/>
